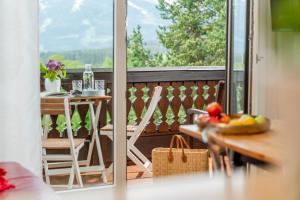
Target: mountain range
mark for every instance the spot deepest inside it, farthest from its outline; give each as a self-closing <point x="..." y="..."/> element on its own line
<point x="88" y="24"/>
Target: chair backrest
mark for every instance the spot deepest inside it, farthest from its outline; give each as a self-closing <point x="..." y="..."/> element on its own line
<point x="192" y="114"/>
<point x="220" y="96"/>
<point x="52" y="106"/>
<point x="154" y="101"/>
<point x="58" y="106"/>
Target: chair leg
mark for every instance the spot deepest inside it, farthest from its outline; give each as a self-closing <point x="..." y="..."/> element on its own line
<point x="74" y="151"/>
<point x="109" y="170"/>
<point x="46" y="168"/>
<point x="95" y="121"/>
<point x="77" y="169"/>
<point x="141" y="156"/>
<point x="71" y="178"/>
<point x="138" y="163"/>
<point x="228" y="165"/>
<point x="100" y="155"/>
<point x="104" y="176"/>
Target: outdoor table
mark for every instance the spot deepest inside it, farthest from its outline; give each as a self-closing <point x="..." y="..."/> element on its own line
<point x="95" y="116"/>
<point x="265" y="147"/>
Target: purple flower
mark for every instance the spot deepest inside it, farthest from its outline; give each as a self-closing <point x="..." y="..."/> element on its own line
<point x="60" y="65"/>
<point x="53" y="65"/>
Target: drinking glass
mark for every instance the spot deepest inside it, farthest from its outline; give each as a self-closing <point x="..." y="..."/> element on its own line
<point x="77" y="85"/>
<point x="99" y="85"/>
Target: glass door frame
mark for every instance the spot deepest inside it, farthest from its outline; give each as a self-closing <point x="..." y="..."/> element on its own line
<point x="119" y="95"/>
<point x="118" y="188"/>
<point x="229" y="56"/>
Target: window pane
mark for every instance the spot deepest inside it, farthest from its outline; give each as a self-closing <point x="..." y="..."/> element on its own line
<point x="176" y="33"/>
<point x="77" y="32"/>
<point x="238" y="56"/>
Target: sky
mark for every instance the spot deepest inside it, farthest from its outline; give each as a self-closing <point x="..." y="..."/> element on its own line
<point x="88" y="24"/>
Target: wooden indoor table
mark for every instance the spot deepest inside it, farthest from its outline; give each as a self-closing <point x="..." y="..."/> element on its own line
<point x="265" y="147"/>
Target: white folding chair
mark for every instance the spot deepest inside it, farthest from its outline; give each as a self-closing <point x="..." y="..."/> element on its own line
<point x="133" y="132"/>
<point x="74" y="145"/>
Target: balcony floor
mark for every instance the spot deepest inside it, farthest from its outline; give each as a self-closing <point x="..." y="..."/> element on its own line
<point x="133" y="175"/>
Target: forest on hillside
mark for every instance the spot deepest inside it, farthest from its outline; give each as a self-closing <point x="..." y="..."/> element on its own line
<point x="195" y="35"/>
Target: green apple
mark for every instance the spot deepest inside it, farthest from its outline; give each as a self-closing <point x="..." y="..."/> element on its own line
<point x="260" y="119"/>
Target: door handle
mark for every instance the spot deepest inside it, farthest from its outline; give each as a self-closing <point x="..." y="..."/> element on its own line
<point x="258" y="58"/>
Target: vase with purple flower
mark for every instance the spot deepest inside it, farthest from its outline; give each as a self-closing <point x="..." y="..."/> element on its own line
<point x="53" y="72"/>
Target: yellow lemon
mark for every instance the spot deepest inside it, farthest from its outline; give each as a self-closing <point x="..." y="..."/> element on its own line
<point x="245" y="116"/>
<point x="248" y="121"/>
<point x="235" y="122"/>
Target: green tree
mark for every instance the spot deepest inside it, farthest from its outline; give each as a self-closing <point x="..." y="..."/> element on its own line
<point x="137" y="54"/>
<point x="195" y="34"/>
<point x="107" y="63"/>
<point x="57" y="57"/>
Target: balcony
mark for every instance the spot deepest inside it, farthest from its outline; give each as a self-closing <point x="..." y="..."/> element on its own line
<point x="183" y="88"/>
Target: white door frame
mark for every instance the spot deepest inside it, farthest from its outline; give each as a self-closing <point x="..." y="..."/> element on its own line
<point x="119" y="93"/>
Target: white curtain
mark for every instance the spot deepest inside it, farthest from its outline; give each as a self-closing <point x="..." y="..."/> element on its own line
<point x="19" y="84"/>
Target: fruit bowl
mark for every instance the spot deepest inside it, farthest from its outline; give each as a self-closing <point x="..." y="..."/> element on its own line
<point x="232" y="124"/>
<point x="240" y="129"/>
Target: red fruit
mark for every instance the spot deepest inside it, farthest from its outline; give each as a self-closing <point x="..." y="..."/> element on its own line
<point x="214" y="109"/>
<point x="224" y="118"/>
<point x="213" y="120"/>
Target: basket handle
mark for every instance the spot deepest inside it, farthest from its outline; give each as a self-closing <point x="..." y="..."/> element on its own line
<point x="184" y="142"/>
<point x="180" y="142"/>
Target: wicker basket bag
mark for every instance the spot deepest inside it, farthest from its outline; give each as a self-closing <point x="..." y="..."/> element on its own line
<point x="180" y="160"/>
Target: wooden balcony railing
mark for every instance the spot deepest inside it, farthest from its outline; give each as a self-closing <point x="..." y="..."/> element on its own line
<point x="183" y="88"/>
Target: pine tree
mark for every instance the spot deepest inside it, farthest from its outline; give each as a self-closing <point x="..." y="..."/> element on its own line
<point x="137" y="54"/>
<point x="195" y="34"/>
<point x="107" y="63"/>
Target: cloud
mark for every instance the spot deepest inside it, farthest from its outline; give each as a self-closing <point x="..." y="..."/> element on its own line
<point x="148" y="18"/>
<point x="170" y="1"/>
<point x="77" y="5"/>
<point x="155" y="2"/>
<point x="90" y="36"/>
<point x="70" y="36"/>
<point x="43" y="5"/>
<point x="46" y="23"/>
<point x="42" y="48"/>
<point x="86" y="22"/>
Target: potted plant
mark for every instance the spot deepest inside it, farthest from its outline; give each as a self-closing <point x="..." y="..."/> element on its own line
<point x="54" y="71"/>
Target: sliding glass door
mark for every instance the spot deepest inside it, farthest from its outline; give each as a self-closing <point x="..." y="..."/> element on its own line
<point x="80" y="33"/>
<point x="238" y="55"/>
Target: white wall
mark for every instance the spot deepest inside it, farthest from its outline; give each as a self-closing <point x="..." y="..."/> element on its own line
<point x="276" y="89"/>
<point x="19" y="83"/>
<point x="280" y="52"/>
